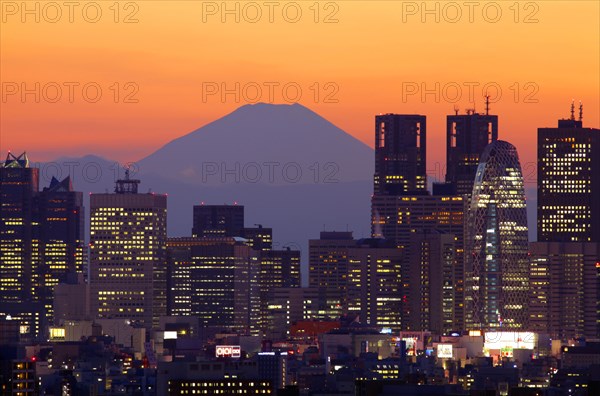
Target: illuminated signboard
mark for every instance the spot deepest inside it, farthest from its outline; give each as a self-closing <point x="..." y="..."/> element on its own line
<point x="170" y="335"/>
<point x="444" y="351"/>
<point x="411" y="346"/>
<point x="233" y="351"/>
<point x="506" y="341"/>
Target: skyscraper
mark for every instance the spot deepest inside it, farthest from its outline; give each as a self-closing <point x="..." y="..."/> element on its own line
<point x="374" y="282"/>
<point x="128" y="233"/>
<point x="497" y="263"/>
<point x="218" y="220"/>
<point x="366" y="273"/>
<point x="431" y="284"/>
<point x="467" y="135"/>
<point x="278" y="268"/>
<point x="217" y="280"/>
<point x="328" y="261"/>
<point x="569" y="182"/>
<point x="565" y="289"/>
<point x="400" y="154"/>
<point x="19" y="244"/>
<point x="399" y="218"/>
<point x="61" y="225"/>
<point x="259" y="238"/>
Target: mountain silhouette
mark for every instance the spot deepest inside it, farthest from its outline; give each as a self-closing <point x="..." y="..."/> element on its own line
<point x="264" y="144"/>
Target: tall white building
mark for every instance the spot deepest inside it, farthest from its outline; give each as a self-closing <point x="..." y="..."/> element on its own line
<point x="497" y="264"/>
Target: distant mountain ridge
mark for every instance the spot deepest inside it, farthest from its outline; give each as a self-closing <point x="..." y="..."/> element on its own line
<point x="263" y="143"/>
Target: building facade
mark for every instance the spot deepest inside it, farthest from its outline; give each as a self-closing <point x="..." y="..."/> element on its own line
<point x="467" y="135"/>
<point x="128" y="234"/>
<point x="217" y="280"/>
<point x="569" y="183"/>
<point x="430" y="295"/>
<point x="565" y="289"/>
<point x="398" y="218"/>
<point x="497" y="262"/>
<point x="400" y="154"/>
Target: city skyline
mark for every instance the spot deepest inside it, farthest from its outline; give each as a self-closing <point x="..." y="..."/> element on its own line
<point x="300" y="198"/>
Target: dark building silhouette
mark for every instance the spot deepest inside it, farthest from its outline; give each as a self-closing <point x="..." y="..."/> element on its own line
<point x="366" y="273"/>
<point x="218" y="220"/>
<point x="278" y="268"/>
<point x="565" y="289"/>
<point x="41" y="242"/>
<point x="466" y="137"/>
<point x="569" y="182"/>
<point x="61" y="227"/>
<point x="328" y="260"/>
<point x="259" y="238"/>
<point x="431" y="285"/>
<point x="217" y="280"/>
<point x="19" y="184"/>
<point x="400" y="154"/>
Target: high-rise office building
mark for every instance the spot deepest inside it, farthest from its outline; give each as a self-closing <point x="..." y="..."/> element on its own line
<point x="430" y="295"/>
<point x="41" y="242"/>
<point x="565" y="289"/>
<point x="217" y="280"/>
<point x="288" y="305"/>
<point x="259" y="238"/>
<point x="497" y="262"/>
<point x="61" y="225"/>
<point x="467" y="135"/>
<point x="366" y="274"/>
<point x="218" y="220"/>
<point x="569" y="182"/>
<point x="278" y="268"/>
<point x="19" y="244"/>
<point x="328" y="261"/>
<point x="374" y="287"/>
<point x="399" y="218"/>
<point x="128" y="234"/>
<point x="20" y="283"/>
<point x="400" y="154"/>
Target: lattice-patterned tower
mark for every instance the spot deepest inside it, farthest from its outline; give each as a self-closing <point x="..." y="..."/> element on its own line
<point x="497" y="269"/>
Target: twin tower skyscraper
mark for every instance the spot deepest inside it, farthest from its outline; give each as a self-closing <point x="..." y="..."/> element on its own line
<point x="481" y="203"/>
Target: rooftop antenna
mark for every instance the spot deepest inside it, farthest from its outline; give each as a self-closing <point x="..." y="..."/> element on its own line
<point x="487" y="104"/>
<point x="456" y="110"/>
<point x="580" y="111"/>
<point x="127" y="185"/>
<point x="573" y="110"/>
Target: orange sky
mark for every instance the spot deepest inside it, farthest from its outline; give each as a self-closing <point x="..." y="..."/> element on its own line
<point x="373" y="50"/>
